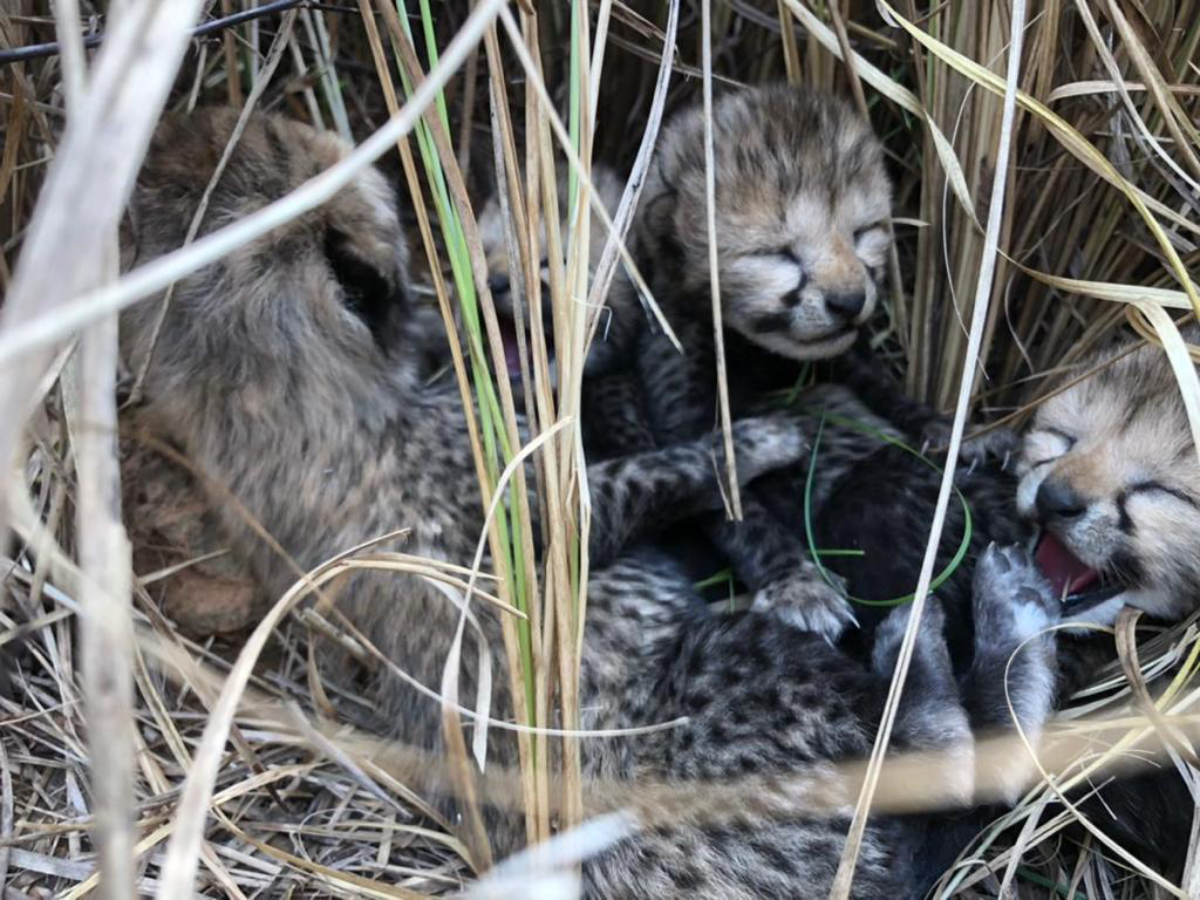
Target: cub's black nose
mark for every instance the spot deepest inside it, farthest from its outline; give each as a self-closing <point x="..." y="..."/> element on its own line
<point x="848" y="304"/>
<point x="1056" y="500"/>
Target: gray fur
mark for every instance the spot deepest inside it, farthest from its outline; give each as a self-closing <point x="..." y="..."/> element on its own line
<point x="315" y="417"/>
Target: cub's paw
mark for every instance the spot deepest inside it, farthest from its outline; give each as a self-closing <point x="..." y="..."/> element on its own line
<point x="931" y="640"/>
<point x="997" y="446"/>
<point x="803" y="599"/>
<point x="763" y="444"/>
<point x="1013" y="602"/>
<point x="895" y="623"/>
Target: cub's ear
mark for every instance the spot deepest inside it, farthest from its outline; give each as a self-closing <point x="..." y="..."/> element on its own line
<point x="658" y="213"/>
<point x="366" y="292"/>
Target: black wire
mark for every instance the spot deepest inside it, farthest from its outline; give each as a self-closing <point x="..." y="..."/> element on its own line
<point x="41" y="51"/>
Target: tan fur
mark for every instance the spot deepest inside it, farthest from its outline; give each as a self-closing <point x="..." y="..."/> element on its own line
<point x="802" y="205"/>
<point x="171" y="523"/>
<point x="607" y="186"/>
<point x="622" y="311"/>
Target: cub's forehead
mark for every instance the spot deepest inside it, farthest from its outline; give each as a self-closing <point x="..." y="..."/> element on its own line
<point x="1132" y="406"/>
<point x="774" y="132"/>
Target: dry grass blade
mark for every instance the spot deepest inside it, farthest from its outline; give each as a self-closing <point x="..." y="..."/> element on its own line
<point x="104" y="557"/>
<point x="1146" y="207"/>
<point x="1181" y="363"/>
<point x="897" y="94"/>
<point x="89" y="182"/>
<point x="576" y="165"/>
<point x="70" y="37"/>
<point x="843" y="882"/>
<point x="456" y="744"/>
<point x="1059" y="784"/>
<point x="1176" y="119"/>
<point x="547" y="870"/>
<point x="606" y="268"/>
<point x="710" y="199"/>
<point x="1128" y="653"/>
<point x="182" y="853"/>
<point x="6" y="814"/>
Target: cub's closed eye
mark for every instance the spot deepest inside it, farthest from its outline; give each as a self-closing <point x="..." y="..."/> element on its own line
<point x="1067" y="441"/>
<point x="861" y="233"/>
<point x="783" y="254"/>
<point x="1155" y="487"/>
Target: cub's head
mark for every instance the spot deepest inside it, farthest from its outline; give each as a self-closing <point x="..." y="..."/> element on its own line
<point x="1109" y="470"/>
<point x="492" y="226"/>
<point x="802" y="217"/>
<point x="310" y="311"/>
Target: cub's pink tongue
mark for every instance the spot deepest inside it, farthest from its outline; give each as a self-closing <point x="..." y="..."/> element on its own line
<point x="1066" y="573"/>
<point x="512" y="355"/>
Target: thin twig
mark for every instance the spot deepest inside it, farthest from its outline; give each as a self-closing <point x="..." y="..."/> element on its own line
<point x="710" y="196"/>
<point x="6" y="814"/>
<point x="74" y="65"/>
<point x="106" y="630"/>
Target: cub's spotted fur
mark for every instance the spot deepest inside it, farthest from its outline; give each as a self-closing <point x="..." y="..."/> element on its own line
<point x="285" y="373"/>
<point x="802" y="217"/>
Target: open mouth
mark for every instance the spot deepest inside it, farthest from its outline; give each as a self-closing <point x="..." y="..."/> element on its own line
<point x="512" y="353"/>
<point x="1078" y="585"/>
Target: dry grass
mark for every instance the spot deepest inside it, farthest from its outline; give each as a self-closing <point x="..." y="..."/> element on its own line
<point x="1092" y="224"/>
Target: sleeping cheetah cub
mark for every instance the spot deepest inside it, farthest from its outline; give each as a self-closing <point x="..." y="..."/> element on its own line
<point x="283" y="372"/>
<point x="802" y="208"/>
<point x="1108" y="470"/>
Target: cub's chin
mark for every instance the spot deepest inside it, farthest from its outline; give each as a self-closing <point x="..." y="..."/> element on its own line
<point x="833" y="344"/>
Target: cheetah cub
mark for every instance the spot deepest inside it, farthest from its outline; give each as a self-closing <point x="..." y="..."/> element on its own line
<point x="508" y="288"/>
<point x="802" y="208"/>
<point x="284" y="371"/>
<point x="1108" y="471"/>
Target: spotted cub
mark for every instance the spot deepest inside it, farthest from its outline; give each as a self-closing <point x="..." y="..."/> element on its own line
<point x="802" y="232"/>
<point x="1109" y="473"/>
